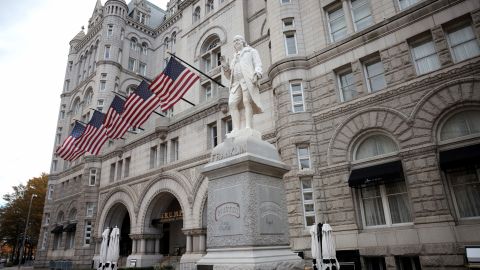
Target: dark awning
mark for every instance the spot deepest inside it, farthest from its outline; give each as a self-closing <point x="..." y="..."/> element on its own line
<point x="377" y="174"/>
<point x="458" y="157"/>
<point x="70" y="227"/>
<point x="57" y="229"/>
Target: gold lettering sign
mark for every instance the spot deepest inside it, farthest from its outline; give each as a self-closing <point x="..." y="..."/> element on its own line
<point x="171" y="216"/>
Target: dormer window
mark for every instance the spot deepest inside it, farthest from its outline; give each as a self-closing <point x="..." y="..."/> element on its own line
<point x="141" y="17"/>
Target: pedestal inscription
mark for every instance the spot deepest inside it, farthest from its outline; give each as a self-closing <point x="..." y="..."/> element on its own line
<point x="227" y="213"/>
<point x="270" y="214"/>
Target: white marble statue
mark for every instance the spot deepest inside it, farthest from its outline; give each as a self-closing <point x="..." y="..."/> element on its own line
<point x="244" y="71"/>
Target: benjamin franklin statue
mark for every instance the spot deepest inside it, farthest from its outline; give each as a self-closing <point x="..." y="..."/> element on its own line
<point x="244" y="72"/>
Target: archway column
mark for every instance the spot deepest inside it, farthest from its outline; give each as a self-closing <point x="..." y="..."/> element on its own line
<point x="196" y="240"/>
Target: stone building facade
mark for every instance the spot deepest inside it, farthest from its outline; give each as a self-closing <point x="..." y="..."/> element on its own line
<point x="374" y="104"/>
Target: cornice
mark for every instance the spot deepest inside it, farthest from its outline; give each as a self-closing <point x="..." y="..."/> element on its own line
<point x="168" y="22"/>
<point x="257" y="14"/>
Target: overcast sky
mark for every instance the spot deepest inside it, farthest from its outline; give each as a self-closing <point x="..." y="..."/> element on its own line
<point x="34" y="39"/>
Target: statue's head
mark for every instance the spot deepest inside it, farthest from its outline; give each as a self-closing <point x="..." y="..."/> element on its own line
<point x="239" y="42"/>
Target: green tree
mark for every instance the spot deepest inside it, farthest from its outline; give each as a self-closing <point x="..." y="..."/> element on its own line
<point x="13" y="215"/>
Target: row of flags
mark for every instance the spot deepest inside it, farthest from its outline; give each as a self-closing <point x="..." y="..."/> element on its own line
<point x="164" y="91"/>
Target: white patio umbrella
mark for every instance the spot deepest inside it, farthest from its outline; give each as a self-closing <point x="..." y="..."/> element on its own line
<point x="113" y="249"/>
<point x="316" y="252"/>
<point x="103" y="249"/>
<point x="328" y="249"/>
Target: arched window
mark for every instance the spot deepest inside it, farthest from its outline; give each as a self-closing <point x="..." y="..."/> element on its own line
<point x="130" y="89"/>
<point x="60" y="217"/>
<point x="133" y="44"/>
<point x="461" y="124"/>
<point x="209" y="6"/>
<point x="88" y="96"/>
<point x="144" y="48"/>
<point x="196" y="15"/>
<point x="174" y="39"/>
<point x="375" y="145"/>
<point x="165" y="42"/>
<point x="76" y="106"/>
<point x="211" y="53"/>
<point x="72" y="215"/>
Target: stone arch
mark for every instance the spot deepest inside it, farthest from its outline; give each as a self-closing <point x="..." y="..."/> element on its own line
<point x="199" y="202"/>
<point x="387" y="119"/>
<point x="449" y="112"/>
<point x="161" y="185"/>
<point x="215" y="30"/>
<point x="363" y="135"/>
<point x="118" y="197"/>
<point x="126" y="83"/>
<point x="72" y="205"/>
<point x="129" y="36"/>
<point x="125" y="189"/>
<point x="262" y="31"/>
<point x="60" y="208"/>
<point x="435" y="103"/>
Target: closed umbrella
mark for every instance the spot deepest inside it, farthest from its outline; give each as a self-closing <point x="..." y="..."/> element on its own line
<point x="329" y="257"/>
<point x="103" y="248"/>
<point x="113" y="249"/>
<point x="316" y="252"/>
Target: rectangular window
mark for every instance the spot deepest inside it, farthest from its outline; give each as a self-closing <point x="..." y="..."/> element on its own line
<point x="163" y="153"/>
<point x="100" y="103"/>
<point x="93" y="177"/>
<point x="63" y="107"/>
<point x="103" y="85"/>
<point x="70" y="240"/>
<point x="174" y="149"/>
<point x="285" y="1"/>
<point x="112" y="172"/>
<point x="403" y="4"/>
<point x="107" y="52"/>
<point x="308" y="202"/>
<point x="465" y="184"/>
<point x="290" y="43"/>
<point x="54" y="165"/>
<point x="303" y="153"/>
<point x="375" y="75"/>
<point x="109" y="30"/>
<point x="346" y="82"/>
<point x="47" y="218"/>
<point x="58" y="138"/>
<point x="142" y="69"/>
<point x="385" y="205"/>
<point x="88" y="233"/>
<point x="89" y="209"/>
<point x="362" y="18"/>
<point x="337" y="24"/>
<point x="208" y="91"/>
<point x="463" y="43"/>
<point x="57" y="240"/>
<point x="296" y="91"/>
<point x="126" y="172"/>
<point x="212" y="135"/>
<point x="70" y="65"/>
<point x="425" y="56"/>
<point x="50" y="192"/>
<point x="153" y="157"/>
<point x="288" y="22"/>
<point x="119" y="169"/>
<point x="131" y="64"/>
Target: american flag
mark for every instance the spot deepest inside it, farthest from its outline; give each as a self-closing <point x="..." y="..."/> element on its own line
<point x="114" y="123"/>
<point x="173" y="83"/>
<point x="68" y="149"/>
<point x="94" y="136"/>
<point x="140" y="105"/>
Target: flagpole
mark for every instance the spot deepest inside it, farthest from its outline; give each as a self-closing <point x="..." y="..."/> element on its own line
<point x="150" y="81"/>
<point x="201" y="72"/>
<point x="81" y="122"/>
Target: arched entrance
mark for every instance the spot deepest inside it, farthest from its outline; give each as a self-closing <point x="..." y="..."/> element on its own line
<point x="118" y="216"/>
<point x="165" y="219"/>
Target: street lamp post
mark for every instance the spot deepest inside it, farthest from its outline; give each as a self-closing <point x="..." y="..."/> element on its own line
<point x="25" y="232"/>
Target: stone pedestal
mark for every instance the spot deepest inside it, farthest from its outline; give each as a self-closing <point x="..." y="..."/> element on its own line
<point x="247" y="214"/>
